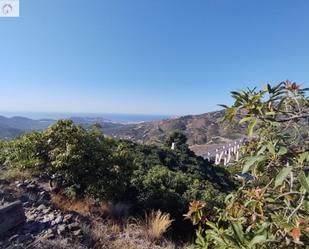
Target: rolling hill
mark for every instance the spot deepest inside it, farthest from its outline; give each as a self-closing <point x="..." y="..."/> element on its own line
<point x="15" y="126"/>
<point x="200" y="129"/>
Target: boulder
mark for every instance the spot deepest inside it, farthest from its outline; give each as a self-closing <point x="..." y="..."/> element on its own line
<point x="11" y="215"/>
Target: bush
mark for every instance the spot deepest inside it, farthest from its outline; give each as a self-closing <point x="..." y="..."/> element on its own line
<point x="273" y="210"/>
<point x="85" y="163"/>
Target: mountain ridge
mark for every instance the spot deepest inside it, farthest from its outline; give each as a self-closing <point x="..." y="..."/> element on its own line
<point x="200" y="129"/>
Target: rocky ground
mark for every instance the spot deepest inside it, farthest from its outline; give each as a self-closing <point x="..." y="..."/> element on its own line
<point x="47" y="225"/>
<point x="43" y="222"/>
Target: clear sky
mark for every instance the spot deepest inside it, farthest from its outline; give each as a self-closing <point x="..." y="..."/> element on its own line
<point x="148" y="56"/>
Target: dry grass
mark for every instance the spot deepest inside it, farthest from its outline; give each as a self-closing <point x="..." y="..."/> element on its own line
<point x="81" y="206"/>
<point x="134" y="235"/>
<point x="14" y="175"/>
<point x="157" y="224"/>
<point x="54" y="244"/>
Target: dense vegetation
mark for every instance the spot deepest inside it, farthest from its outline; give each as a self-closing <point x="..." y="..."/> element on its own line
<point x="85" y="163"/>
<point x="272" y="211"/>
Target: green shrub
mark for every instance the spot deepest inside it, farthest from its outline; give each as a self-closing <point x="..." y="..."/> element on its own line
<point x="273" y="210"/>
<point x="85" y="163"/>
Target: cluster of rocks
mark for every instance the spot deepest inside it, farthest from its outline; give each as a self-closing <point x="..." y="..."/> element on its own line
<point x="40" y="220"/>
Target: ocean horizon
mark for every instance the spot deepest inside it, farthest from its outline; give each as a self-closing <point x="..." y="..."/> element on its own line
<point x="114" y="117"/>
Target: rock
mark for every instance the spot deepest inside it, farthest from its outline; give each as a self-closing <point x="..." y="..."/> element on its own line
<point x="58" y="220"/>
<point x="73" y="226"/>
<point x="31" y="186"/>
<point x="45" y="211"/>
<point x="26" y="204"/>
<point x="67" y="218"/>
<point x="31" y="217"/>
<point x="49" y="236"/>
<point x="19" y="185"/>
<point x="77" y="232"/>
<point x="61" y="229"/>
<point x="27" y="181"/>
<point x="11" y="215"/>
<point x="48" y="218"/>
<point x="14" y="237"/>
<point x="41" y="207"/>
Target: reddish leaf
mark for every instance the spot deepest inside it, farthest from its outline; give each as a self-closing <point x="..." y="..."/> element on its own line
<point x="296" y="234"/>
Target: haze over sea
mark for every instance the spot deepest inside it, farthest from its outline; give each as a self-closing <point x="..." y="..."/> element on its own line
<point x="115" y="117"/>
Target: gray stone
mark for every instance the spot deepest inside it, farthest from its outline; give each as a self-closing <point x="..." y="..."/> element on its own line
<point x="48" y="218"/>
<point x="61" y="229"/>
<point x="73" y="226"/>
<point x="31" y="217"/>
<point x="67" y="218"/>
<point x="26" y="204"/>
<point x="31" y="186"/>
<point x="45" y="211"/>
<point x="57" y="221"/>
<point x="77" y="232"/>
<point x="14" y="237"/>
<point x="11" y="215"/>
<point x="41" y="207"/>
<point x="49" y="236"/>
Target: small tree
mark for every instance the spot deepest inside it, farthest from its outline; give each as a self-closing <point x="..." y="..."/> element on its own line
<point x="176" y="137"/>
<point x="272" y="211"/>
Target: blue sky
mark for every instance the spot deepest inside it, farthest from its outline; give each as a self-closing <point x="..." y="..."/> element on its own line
<point x="148" y="56"/>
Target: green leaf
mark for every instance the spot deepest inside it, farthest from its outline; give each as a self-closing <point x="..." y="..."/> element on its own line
<point x="251" y="127"/>
<point x="237" y="228"/>
<point x="283" y="150"/>
<point x="304" y="156"/>
<point x="282" y="175"/>
<point x="304" y="181"/>
<point x="245" y="119"/>
<point x="259" y="239"/>
<point x="224" y="106"/>
<point x="261" y="151"/>
<point x="252" y="161"/>
<point x="235" y="93"/>
<point x="212" y="225"/>
<point x="271" y="148"/>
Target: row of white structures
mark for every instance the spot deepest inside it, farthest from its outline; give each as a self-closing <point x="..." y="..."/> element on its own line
<point x="225" y="154"/>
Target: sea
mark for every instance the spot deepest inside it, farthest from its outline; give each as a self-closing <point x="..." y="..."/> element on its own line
<point x="114" y="117"/>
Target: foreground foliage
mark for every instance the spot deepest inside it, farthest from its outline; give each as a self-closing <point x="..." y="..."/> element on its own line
<point x="273" y="210"/>
<point x="85" y="163"/>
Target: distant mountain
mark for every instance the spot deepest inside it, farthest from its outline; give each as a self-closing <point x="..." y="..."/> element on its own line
<point x="15" y="126"/>
<point x="200" y="129"/>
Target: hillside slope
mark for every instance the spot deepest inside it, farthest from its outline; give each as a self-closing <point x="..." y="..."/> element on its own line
<point x="15" y="126"/>
<point x="199" y="129"/>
